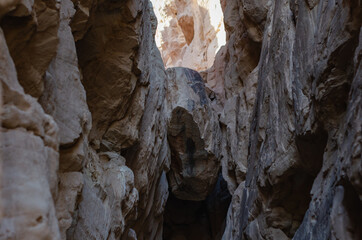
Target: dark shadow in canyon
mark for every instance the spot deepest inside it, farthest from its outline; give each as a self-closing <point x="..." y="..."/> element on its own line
<point x="353" y="207"/>
<point x="290" y="197"/>
<point x="199" y="220"/>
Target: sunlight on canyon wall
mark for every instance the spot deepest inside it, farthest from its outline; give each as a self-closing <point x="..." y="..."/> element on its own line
<point x="189" y="32"/>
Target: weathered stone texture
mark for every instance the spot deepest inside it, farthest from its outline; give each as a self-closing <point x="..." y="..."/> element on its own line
<point x="78" y="184"/>
<point x="194" y="136"/>
<point x="31" y="30"/>
<point x="190" y="32"/>
<point x="99" y="141"/>
<point x="304" y="124"/>
<point x="29" y="150"/>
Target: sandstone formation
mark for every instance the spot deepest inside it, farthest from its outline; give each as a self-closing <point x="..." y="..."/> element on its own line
<point x="298" y="123"/>
<point x="190" y="32"/>
<point x="79" y="182"/>
<point x="260" y="140"/>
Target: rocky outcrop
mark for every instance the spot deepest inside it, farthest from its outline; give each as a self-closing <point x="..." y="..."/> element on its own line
<point x="29" y="149"/>
<point x="99" y="141"/>
<point x="77" y="157"/>
<point x="307" y="74"/>
<point x="194" y="136"/>
<point x="30" y="28"/>
<point x="190" y="32"/>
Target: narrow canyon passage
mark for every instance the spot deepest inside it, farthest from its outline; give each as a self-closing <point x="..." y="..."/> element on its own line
<point x="206" y="219"/>
<point x="180" y="119"/>
<point x="188" y="39"/>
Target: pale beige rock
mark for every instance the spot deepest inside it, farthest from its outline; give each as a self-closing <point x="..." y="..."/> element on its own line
<point x="105" y="175"/>
<point x="189" y="32"/>
<point x="29" y="211"/>
<point x="64" y="97"/>
<point x="29" y="147"/>
<point x="278" y="110"/>
<point x="70" y="187"/>
<point x="214" y="76"/>
<point x="109" y="191"/>
<point x="137" y="128"/>
<point x="20" y="109"/>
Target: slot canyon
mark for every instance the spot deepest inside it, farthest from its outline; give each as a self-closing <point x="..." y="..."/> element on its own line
<point x="180" y="119"/>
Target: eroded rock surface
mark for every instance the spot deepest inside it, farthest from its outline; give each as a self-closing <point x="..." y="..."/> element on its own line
<point x="99" y="141"/>
<point x="190" y="32"/>
<point x="194" y="136"/>
<point x="294" y="153"/>
<point x="72" y="167"/>
<point x="29" y="151"/>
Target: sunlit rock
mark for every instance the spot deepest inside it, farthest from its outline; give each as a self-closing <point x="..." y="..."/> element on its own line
<point x="189" y="32"/>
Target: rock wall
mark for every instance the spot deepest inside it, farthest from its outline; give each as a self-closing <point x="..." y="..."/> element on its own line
<point x="90" y="123"/>
<point x="99" y="141"/>
<point x="291" y="119"/>
<point x="83" y="108"/>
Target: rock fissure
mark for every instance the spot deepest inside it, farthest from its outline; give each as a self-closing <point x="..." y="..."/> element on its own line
<point x="180" y="119"/>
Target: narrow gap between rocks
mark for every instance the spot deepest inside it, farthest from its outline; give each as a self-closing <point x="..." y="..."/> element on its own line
<point x="189" y="34"/>
<point x="347" y="200"/>
<point x="199" y="220"/>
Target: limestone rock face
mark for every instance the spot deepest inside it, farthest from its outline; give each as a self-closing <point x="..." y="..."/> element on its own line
<point x="298" y="70"/>
<point x="72" y="165"/>
<point x="259" y="141"/>
<point x="188" y="35"/>
<point x="64" y="97"/>
<point x="29" y="152"/>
